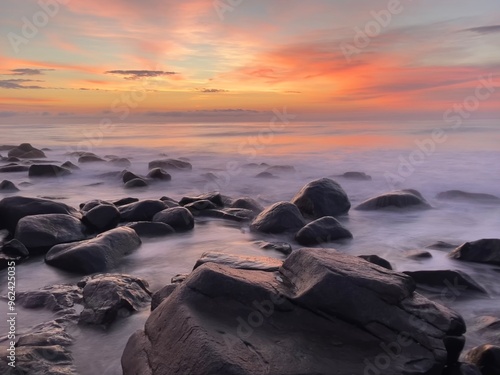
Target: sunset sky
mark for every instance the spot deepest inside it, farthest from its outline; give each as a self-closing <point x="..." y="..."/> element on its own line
<point x="206" y="60"/>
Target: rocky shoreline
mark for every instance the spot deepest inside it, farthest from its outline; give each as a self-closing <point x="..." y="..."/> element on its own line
<point x="319" y="311"/>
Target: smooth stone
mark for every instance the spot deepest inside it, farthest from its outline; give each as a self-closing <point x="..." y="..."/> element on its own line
<point x="179" y="218"/>
<point x="143" y="210"/>
<point x="200" y="206"/>
<point x="281" y="217"/>
<point x="125" y="201"/>
<point x="69" y="165"/>
<point x="418" y="254"/>
<point x="96" y="255"/>
<point x="280" y="169"/>
<point x="90" y="159"/>
<point x="47" y="170"/>
<point x="239" y="261"/>
<point x="8" y="186"/>
<point x="120" y="162"/>
<point x="265" y="175"/>
<point x="395" y="200"/>
<point x="447" y="279"/>
<point x="375" y="259"/>
<point x="323" y="197"/>
<point x="481" y="251"/>
<point x="356" y="176"/>
<point x="129" y="176"/>
<point x="326" y="229"/>
<point x="149" y="229"/>
<point x="214" y="197"/>
<point x="102" y="217"/>
<point x="14" y="168"/>
<point x="441" y="245"/>
<point x="26" y="151"/>
<point x="248" y="204"/>
<point x="457" y="195"/>
<point x="136" y="183"/>
<point x="159" y="174"/>
<point x="169" y="164"/>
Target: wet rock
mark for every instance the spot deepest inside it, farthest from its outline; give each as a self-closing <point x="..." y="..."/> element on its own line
<point x="215" y="198"/>
<point x="96" y="255"/>
<point x="149" y="229"/>
<point x="375" y="259"/>
<point x="90" y="159"/>
<point x="136" y="183"/>
<point x="47" y="170"/>
<point x="69" y="165"/>
<point x="239" y="261"/>
<point x="26" y="151"/>
<point x="170" y="164"/>
<point x="125" y="201"/>
<point x="482" y="251"/>
<point x="238" y="216"/>
<point x="323" y="197"/>
<point x="179" y="218"/>
<point x="240" y="213"/>
<point x="12" y="159"/>
<point x="54" y="297"/>
<point x="8" y="186"/>
<point x="441" y="245"/>
<point x="456" y="282"/>
<point x="40" y="232"/>
<point x="109" y="296"/>
<point x="488" y="327"/>
<point x="102" y="217"/>
<point x="162" y="294"/>
<point x="279" y="218"/>
<point x="208" y="323"/>
<point x="143" y="210"/>
<point x="248" y="204"/>
<point x="159" y="174"/>
<point x="129" y="176"/>
<point x="486" y="358"/>
<point x="265" y="175"/>
<point x="397" y="199"/>
<point x="120" y="162"/>
<point x="457" y="195"/>
<point x="13" y="209"/>
<point x="280" y="169"/>
<point x="14" y="168"/>
<point x="200" y="206"/>
<point x="12" y="251"/>
<point x="282" y="247"/>
<point x="418" y="254"/>
<point x="361" y="176"/>
<point x="326" y="229"/>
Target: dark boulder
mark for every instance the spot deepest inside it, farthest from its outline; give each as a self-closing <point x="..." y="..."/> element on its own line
<point x="486" y="357"/>
<point x="143" y="210"/>
<point x="129" y="176"/>
<point x="159" y="174"/>
<point x="120" y="162"/>
<point x="280" y="169"/>
<point x="179" y="218"/>
<point x="395" y="200"/>
<point x="47" y="170"/>
<point x="14" y="168"/>
<point x="375" y="259"/>
<point x="150" y="229"/>
<point x="265" y="175"/>
<point x="239" y="262"/>
<point x="40" y="232"/>
<point x="228" y="321"/>
<point x="102" y="217"/>
<point x="200" y="206"/>
<point x="26" y="151"/>
<point x="282" y="247"/>
<point x="456" y="282"/>
<point x="248" y="204"/>
<point x="69" y="165"/>
<point x="457" y="195"/>
<point x="136" y="183"/>
<point x="233" y="214"/>
<point x="361" y="176"/>
<point x="326" y="229"/>
<point x="418" y="254"/>
<point x="12" y="251"/>
<point x="323" y="197"/>
<point x="8" y="186"/>
<point x="125" y="201"/>
<point x="13" y="209"/>
<point x="90" y="159"/>
<point x="96" y="255"/>
<point x="107" y="297"/>
<point x="482" y="251"/>
<point x="441" y="245"/>
<point x="279" y="218"/>
<point x="215" y="198"/>
<point x="170" y="164"/>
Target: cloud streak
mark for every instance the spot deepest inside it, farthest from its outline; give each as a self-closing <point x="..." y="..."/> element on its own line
<point x="139" y="74"/>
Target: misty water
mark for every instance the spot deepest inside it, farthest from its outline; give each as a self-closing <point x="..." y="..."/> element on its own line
<point x="468" y="159"/>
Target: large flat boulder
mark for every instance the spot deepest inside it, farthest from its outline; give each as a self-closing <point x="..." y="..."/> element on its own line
<point x="47" y="170"/>
<point x="321" y="313"/>
<point x="481" y="251"/>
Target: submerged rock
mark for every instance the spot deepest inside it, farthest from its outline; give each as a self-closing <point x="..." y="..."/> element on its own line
<point x="8" y="186"/>
<point x="248" y="204"/>
<point x="96" y="255"/>
<point x="222" y="320"/>
<point x="150" y="229"/>
<point x="323" y="197"/>
<point x="159" y="174"/>
<point x="418" y="254"/>
<point x="136" y="183"/>
<point x="47" y="170"/>
<point x="455" y="282"/>
<point x="356" y="176"/>
<point x="482" y="251"/>
<point x="279" y="218"/>
<point x="169" y="164"/>
<point x="26" y="151"/>
<point x="102" y="217"/>
<point x="128" y="176"/>
<point x="459" y="195"/>
<point x="91" y="158"/>
<point x="397" y="199"/>
<point x="215" y="198"/>
<point x="14" y="168"/>
<point x="69" y="165"/>
<point x="326" y="229"/>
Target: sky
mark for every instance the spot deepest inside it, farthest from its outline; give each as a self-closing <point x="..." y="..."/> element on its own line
<point x="72" y="61"/>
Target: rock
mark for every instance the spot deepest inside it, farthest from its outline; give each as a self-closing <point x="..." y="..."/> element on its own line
<point x="14" y="168"/>
<point x="215" y="198"/>
<point x="482" y="251"/>
<point x="96" y="255"/>
<point x="455" y="282"/>
<point x="279" y="218"/>
<point x="162" y="294"/>
<point x="136" y="183"/>
<point x="239" y="216"/>
<point x="69" y="165"/>
<point x="326" y="229"/>
<point x="265" y="175"/>
<point x="90" y="159"/>
<point x="125" y="201"/>
<point x="13" y="209"/>
<point x="323" y="197"/>
<point x="488" y="327"/>
<point x="457" y="195"/>
<point x="418" y="254"/>
<point x="282" y="247"/>
<point x="179" y="218"/>
<point x="462" y="369"/>
<point x="441" y="245"/>
<point x="12" y="251"/>
<point x="200" y="206"/>
<point x="396" y="199"/>
<point x="486" y="358"/>
<point x="53" y="297"/>
<point x="239" y="262"/>
<point x="12" y="159"/>
<point x="102" y="217"/>
<point x="26" y="151"/>
<point x="375" y="259"/>
<point x="159" y="174"/>
<point x="356" y="176"/>
<point x="280" y="169"/>
<point x="169" y="164"/>
<point x="150" y="229"/>
<point x="47" y="170"/>
<point x="40" y="232"/>
<point x="248" y="204"/>
<point x="129" y="176"/>
<point x="309" y="317"/>
<point x="120" y="162"/>
<point x="143" y="210"/>
<point x="8" y="186"/>
<point x="109" y="296"/>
